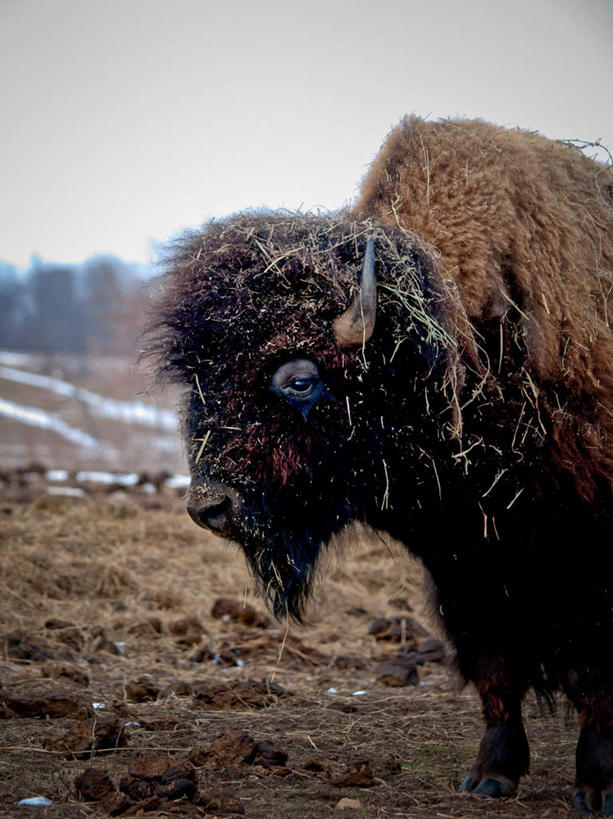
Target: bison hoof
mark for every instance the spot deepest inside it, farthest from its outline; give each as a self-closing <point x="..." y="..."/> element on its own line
<point x="588" y="801"/>
<point x="492" y="786"/>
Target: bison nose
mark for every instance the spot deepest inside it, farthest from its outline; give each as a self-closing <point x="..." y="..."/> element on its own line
<point x="211" y="508"/>
<point x="214" y="515"/>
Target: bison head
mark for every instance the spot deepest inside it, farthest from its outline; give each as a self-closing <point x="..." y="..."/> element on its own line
<point x="300" y="413"/>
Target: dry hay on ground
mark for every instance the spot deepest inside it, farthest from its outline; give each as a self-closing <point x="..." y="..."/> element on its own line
<point x="209" y="707"/>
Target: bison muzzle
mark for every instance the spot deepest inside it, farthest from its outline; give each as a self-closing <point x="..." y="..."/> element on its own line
<point x="436" y="363"/>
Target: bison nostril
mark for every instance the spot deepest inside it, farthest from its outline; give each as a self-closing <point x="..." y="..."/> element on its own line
<point x="213" y="514"/>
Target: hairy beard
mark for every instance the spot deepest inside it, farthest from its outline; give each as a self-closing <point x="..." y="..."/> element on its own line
<point x="283" y="550"/>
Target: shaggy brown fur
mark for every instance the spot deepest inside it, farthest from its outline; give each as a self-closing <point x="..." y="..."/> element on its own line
<point x="524" y="227"/>
<point x="475" y="424"/>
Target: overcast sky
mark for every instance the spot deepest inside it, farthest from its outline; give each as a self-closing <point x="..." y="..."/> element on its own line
<point x="124" y="121"/>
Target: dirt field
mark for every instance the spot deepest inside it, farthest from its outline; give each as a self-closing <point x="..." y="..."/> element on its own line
<point x="129" y="689"/>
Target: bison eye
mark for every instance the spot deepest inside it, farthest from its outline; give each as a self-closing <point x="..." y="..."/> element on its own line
<point x="302" y="386"/>
<point x="298" y="383"/>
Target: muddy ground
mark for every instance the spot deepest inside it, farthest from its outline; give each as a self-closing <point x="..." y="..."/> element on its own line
<point x="141" y="677"/>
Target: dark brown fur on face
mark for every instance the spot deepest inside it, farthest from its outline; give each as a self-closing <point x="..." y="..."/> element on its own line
<point x="475" y="424"/>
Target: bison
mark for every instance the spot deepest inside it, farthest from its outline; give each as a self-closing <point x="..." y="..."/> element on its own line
<point x="437" y="363"/>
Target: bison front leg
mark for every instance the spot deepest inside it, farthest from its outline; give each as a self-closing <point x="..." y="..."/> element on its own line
<point x="504" y="754"/>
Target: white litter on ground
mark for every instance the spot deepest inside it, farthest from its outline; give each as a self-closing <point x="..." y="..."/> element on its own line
<point x="35" y="802"/>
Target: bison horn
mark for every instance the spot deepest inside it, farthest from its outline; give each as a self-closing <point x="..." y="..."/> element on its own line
<point x="357" y="323"/>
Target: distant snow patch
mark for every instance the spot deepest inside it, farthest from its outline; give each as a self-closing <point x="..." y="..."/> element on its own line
<point x="14" y="359"/>
<point x="66" y="491"/>
<point x="134" y="412"/>
<point x="35" y="417"/>
<point x="58" y="475"/>
<point x="178" y="482"/>
<point x="108" y="477"/>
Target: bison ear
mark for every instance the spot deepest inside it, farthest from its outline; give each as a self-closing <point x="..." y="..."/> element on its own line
<point x="355" y="326"/>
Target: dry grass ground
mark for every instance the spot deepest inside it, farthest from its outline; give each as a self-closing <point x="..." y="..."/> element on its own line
<point x="109" y="599"/>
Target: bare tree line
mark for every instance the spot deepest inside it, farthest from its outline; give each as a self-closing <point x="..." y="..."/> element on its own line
<point x="95" y="307"/>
